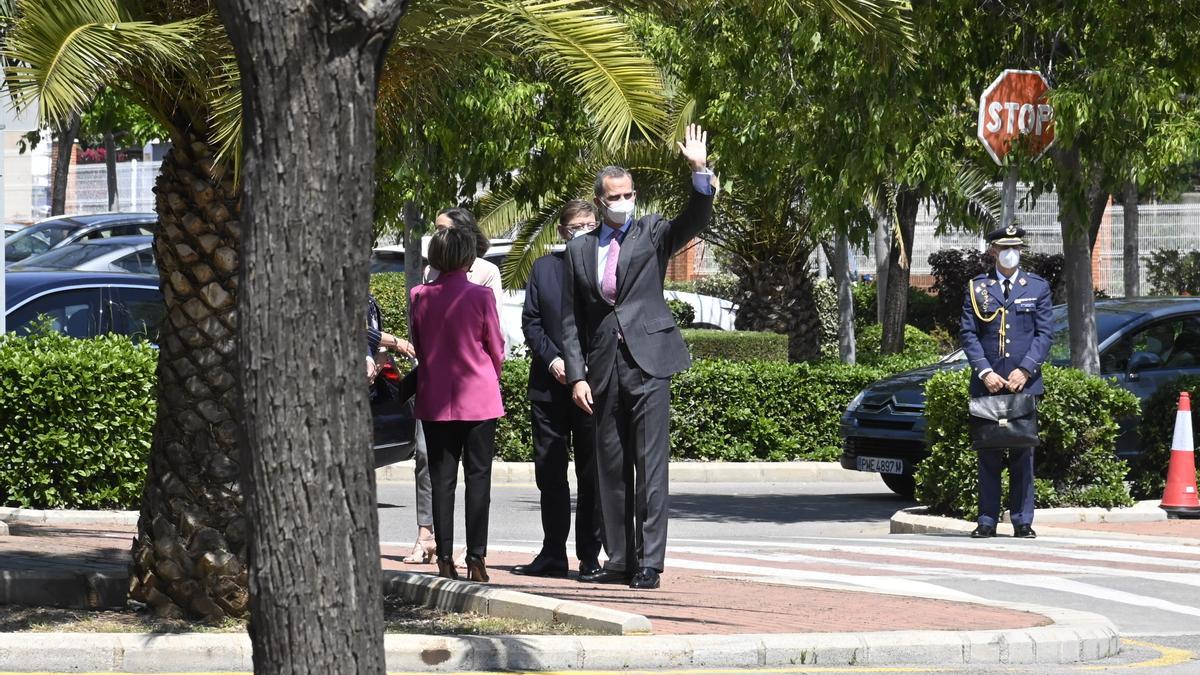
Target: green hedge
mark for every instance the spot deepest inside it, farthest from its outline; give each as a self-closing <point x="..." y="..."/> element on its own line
<point x="683" y="313"/>
<point x="1156" y="433"/>
<point x="1075" y="466"/>
<point x="390" y="292"/>
<point x="728" y="410"/>
<point x="918" y="345"/>
<point x="76" y="418"/>
<point x="736" y="345"/>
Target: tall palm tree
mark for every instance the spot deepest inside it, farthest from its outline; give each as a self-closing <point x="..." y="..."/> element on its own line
<point x="173" y="58"/>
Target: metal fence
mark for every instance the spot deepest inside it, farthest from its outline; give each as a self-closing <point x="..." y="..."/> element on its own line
<point x="87" y="187"/>
<point x="1161" y="226"/>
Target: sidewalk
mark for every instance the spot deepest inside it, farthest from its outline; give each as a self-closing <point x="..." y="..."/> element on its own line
<point x="699" y="618"/>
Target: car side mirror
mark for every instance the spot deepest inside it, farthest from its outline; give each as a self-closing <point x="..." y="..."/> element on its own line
<point x="1143" y="361"/>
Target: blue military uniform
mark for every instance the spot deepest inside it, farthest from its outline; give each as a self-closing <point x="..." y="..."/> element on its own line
<point x="1002" y="334"/>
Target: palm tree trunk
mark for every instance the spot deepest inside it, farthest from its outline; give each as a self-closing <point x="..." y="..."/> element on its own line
<point x="189" y="557"/>
<point x="895" y="312"/>
<point x="64" y="149"/>
<point x="1132" y="273"/>
<point x="777" y="296"/>
<point x="110" y="170"/>
<point x="309" y="83"/>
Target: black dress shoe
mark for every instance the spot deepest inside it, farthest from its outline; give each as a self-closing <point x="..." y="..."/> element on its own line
<point x="983" y="532"/>
<point x="1024" y="532"/>
<point x="645" y="579"/>
<point x="542" y="566"/>
<point x="588" y="567"/>
<point x="603" y="576"/>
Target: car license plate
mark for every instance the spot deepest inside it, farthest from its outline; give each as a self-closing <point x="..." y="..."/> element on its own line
<point x="881" y="465"/>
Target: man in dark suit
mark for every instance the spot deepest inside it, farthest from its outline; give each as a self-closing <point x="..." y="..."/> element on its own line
<point x="621" y="347"/>
<point x="558" y="424"/>
<point x="1007" y="324"/>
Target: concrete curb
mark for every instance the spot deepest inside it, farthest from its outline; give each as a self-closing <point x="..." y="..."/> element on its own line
<point x="1078" y="636"/>
<point x="465" y="596"/>
<point x="66" y="517"/>
<point x="916" y="520"/>
<point x="683" y="472"/>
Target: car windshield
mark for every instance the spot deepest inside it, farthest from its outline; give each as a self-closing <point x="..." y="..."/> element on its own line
<point x="67" y="257"/>
<point x="35" y="239"/>
<point x="1107" y="322"/>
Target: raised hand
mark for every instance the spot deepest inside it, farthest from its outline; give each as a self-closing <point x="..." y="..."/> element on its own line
<point x="695" y="147"/>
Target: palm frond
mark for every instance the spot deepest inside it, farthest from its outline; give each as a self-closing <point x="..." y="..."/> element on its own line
<point x="225" y="116"/>
<point x="531" y="242"/>
<point x="889" y="20"/>
<point x="594" y="54"/>
<point x="66" y="50"/>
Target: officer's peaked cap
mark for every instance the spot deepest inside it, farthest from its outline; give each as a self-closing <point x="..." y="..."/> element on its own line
<point x="1013" y="235"/>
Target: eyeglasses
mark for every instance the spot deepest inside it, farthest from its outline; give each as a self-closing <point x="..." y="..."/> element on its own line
<point x="581" y="227"/>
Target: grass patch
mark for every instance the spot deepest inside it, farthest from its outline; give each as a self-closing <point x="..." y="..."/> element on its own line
<point x="398" y="615"/>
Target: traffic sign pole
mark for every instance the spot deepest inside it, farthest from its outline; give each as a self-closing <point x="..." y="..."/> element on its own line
<point x="1008" y="202"/>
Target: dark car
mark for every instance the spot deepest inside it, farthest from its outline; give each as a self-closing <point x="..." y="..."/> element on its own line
<point x="86" y="304"/>
<point x="1144" y="343"/>
<point x="62" y="230"/>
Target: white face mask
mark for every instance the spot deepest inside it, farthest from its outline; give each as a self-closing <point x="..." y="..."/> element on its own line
<point x="619" y="211"/>
<point x="1010" y="258"/>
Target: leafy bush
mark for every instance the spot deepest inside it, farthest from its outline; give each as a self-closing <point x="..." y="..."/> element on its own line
<point x="825" y="298"/>
<point x="1157" y="432"/>
<point x="721" y="285"/>
<point x="918" y="345"/>
<point x="736" y="345"/>
<point x="1075" y="466"/>
<point x="683" y="313"/>
<point x="390" y="292"/>
<point x="1172" y="272"/>
<point x="728" y="410"/>
<point x="922" y="307"/>
<point x="953" y="268"/>
<point x="76" y="418"/>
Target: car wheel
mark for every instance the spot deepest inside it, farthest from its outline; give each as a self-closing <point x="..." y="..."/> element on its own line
<point x="902" y="484"/>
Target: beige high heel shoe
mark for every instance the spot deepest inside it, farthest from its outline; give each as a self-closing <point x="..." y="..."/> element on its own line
<point x="424" y="551"/>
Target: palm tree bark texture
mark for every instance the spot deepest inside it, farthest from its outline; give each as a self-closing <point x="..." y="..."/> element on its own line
<point x="190" y="552"/>
<point x="309" y="84"/>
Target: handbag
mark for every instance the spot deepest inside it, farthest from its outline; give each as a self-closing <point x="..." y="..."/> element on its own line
<point x="1005" y="421"/>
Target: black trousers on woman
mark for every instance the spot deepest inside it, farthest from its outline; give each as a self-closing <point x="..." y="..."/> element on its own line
<point x="472" y="444"/>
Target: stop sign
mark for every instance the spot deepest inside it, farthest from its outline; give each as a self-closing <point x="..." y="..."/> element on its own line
<point x="1014" y="109"/>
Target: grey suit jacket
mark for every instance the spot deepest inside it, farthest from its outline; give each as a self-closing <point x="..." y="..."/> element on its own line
<point x="590" y="325"/>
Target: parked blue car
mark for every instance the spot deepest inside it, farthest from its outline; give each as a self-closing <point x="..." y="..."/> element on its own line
<point x="87" y="304"/>
<point x="1144" y="343"/>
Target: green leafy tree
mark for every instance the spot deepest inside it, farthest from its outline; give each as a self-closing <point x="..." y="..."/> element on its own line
<point x="174" y="59"/>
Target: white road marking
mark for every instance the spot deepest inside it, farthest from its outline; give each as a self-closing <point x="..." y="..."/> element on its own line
<point x="1053" y="583"/>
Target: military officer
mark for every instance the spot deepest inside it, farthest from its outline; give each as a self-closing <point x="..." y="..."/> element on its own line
<point x="1006" y="330"/>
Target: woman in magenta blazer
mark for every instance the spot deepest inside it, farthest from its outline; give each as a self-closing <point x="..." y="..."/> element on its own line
<point x="456" y="331"/>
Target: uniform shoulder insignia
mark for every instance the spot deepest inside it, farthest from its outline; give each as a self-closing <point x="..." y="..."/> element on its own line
<point x="991" y="282"/>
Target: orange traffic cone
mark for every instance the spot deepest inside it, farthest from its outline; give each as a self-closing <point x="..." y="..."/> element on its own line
<point x="1179" y="498"/>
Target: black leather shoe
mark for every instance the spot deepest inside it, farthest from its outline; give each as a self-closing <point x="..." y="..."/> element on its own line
<point x="587" y="567"/>
<point x="645" y="579"/>
<point x="542" y="566"/>
<point x="1024" y="532"/>
<point x="983" y="532"/>
<point x="603" y="576"/>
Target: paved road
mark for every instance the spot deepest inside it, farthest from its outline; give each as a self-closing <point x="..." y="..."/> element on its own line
<point x="836" y="535"/>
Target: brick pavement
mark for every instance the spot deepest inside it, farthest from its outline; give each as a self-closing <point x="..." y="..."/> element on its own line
<point x="1185" y="529"/>
<point x="690" y="601"/>
<point x="694" y="602"/>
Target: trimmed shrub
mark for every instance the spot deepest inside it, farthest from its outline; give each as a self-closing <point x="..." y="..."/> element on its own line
<point x="1173" y="272"/>
<point x="919" y="347"/>
<point x="390" y="292"/>
<point x="514" y="431"/>
<point x="721" y="285"/>
<point x="736" y="345"/>
<point x="1075" y="466"/>
<point x="683" y="313"/>
<point x="1156" y="433"/>
<point x="76" y="418"/>
<point x="728" y="410"/>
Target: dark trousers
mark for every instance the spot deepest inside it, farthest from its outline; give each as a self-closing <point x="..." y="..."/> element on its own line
<point x="471" y="443"/>
<point x="633" y="414"/>
<point x="1020" y="486"/>
<point x="559" y="426"/>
